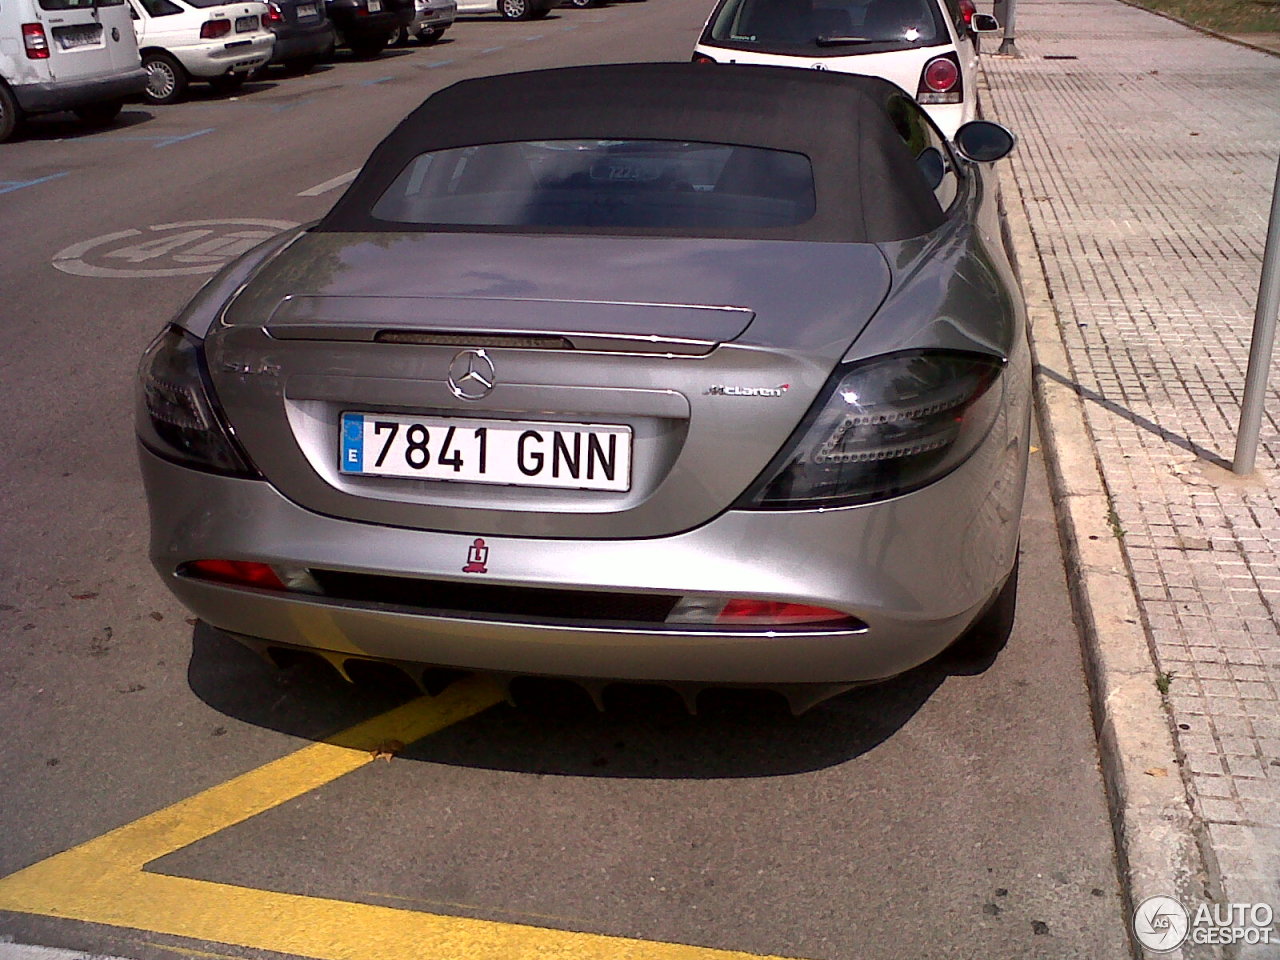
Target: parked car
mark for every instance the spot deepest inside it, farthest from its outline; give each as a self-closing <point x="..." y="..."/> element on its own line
<point x="741" y="395"/>
<point x="927" y="47"/>
<point x="303" y="33"/>
<point x="213" y="41"/>
<point x="366" y="26"/>
<point x="74" y="55"/>
<point x="507" y="9"/>
<point x="431" y="18"/>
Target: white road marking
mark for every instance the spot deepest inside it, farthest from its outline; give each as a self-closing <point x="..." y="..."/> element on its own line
<point x="339" y="181"/>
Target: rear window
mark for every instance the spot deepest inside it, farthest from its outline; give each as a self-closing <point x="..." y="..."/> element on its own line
<point x="77" y="4"/>
<point x="831" y="28"/>
<point x="658" y="184"/>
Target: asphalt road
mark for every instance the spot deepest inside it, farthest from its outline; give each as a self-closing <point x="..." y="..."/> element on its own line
<point x="949" y="813"/>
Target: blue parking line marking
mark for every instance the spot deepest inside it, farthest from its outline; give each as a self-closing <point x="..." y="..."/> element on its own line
<point x="168" y="141"/>
<point x="8" y="186"/>
<point x="439" y="63"/>
<point x="370" y="83"/>
<point x="280" y="108"/>
<point x="491" y="49"/>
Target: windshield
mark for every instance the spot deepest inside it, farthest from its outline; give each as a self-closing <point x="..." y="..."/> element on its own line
<point x="648" y="184"/>
<point x="825" y="28"/>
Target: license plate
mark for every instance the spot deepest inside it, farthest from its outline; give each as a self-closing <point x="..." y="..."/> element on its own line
<point x="306" y="10"/>
<point x="520" y="453"/>
<point x="375" y="6"/>
<point x="82" y="35"/>
<point x="246" y="24"/>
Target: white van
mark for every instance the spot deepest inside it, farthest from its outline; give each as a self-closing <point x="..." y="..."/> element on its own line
<point x="76" y="55"/>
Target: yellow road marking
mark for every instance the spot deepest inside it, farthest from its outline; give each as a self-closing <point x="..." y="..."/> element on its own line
<point x="188" y="952"/>
<point x="104" y="881"/>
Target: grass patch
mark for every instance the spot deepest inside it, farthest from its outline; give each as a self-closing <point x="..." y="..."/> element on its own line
<point x="1225" y="16"/>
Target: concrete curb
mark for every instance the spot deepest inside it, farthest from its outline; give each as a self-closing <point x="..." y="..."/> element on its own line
<point x="1151" y="814"/>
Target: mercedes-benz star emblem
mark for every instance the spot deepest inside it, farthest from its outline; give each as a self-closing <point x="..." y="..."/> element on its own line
<point x="471" y="375"/>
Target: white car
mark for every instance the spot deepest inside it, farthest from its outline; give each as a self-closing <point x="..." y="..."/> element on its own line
<point x="431" y="18"/>
<point x="926" y="47"/>
<point x="210" y="40"/>
<point x="507" y="9"/>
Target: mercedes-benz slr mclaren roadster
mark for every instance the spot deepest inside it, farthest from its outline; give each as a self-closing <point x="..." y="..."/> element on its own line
<point x="646" y="373"/>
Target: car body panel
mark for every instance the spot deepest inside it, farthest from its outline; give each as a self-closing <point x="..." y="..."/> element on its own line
<point x="93" y="56"/>
<point x="697" y="459"/>
<point x="178" y="34"/>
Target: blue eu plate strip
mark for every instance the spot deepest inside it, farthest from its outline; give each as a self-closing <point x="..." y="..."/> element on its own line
<point x="352" y="443"/>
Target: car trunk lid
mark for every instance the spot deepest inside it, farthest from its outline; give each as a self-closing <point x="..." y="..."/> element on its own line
<point x="698" y="356"/>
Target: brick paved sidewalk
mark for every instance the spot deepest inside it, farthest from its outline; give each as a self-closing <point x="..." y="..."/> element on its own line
<point x="1147" y="156"/>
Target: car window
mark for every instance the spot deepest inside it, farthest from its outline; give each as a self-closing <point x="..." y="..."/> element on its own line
<point x="655" y="184"/>
<point x="159" y="8"/>
<point x="934" y="158"/>
<point x="77" y="4"/>
<point x="819" y="28"/>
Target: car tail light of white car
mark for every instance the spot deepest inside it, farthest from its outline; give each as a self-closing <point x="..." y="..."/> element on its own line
<point x="940" y="81"/>
<point x="213" y="29"/>
<point x="35" y="42"/>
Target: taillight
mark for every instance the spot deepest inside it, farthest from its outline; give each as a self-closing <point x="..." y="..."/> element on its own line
<point x="273" y="16"/>
<point x="967" y="10"/>
<point x="34" y="40"/>
<point x="775" y="613"/>
<point x="213" y="29"/>
<point x="702" y="58"/>
<point x="940" y="81"/>
<point x="882" y="428"/>
<point x="707" y="611"/>
<point x="242" y="573"/>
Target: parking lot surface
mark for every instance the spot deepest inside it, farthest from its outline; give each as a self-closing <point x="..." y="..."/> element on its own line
<point x="166" y="793"/>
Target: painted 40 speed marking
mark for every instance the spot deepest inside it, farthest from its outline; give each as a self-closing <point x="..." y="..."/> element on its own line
<point x="579" y="456"/>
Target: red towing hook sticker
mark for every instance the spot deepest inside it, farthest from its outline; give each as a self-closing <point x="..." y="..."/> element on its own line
<point x="477" y="557"/>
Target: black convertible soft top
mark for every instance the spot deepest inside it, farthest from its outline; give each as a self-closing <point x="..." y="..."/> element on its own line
<point x="867" y="183"/>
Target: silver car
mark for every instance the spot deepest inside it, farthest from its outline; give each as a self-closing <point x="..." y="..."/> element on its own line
<point x="640" y="372"/>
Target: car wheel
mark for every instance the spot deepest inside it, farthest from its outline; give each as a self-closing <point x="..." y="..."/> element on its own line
<point x="9" y="115"/>
<point x="990" y="632"/>
<point x="430" y="35"/>
<point x="398" y="37"/>
<point x="515" y="9"/>
<point x="227" y="83"/>
<point x="368" y="47"/>
<point x="166" y="79"/>
<point x="99" y="114"/>
<point x="582" y="4"/>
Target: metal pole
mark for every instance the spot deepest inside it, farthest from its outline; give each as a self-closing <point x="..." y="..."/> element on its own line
<point x="1264" y="335"/>
<point x="1007" y="46"/>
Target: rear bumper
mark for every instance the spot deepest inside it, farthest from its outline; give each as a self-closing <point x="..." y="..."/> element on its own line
<point x="205" y="61"/>
<point x="915" y="570"/>
<point x="69" y="94"/>
<point x="438" y="19"/>
<point x="303" y="42"/>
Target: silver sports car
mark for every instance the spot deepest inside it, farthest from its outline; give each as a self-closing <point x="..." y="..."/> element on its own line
<point x="639" y="372"/>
